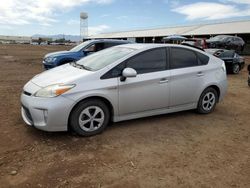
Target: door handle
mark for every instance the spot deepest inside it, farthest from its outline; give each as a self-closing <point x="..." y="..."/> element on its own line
<point x="163" y="80"/>
<point x="199" y="74"/>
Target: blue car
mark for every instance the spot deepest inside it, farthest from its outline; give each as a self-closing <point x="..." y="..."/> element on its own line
<point x="55" y="59"/>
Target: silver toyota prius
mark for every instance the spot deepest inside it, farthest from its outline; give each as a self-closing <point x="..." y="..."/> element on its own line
<point x="121" y="83"/>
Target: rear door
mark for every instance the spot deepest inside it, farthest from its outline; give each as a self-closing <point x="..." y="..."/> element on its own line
<point x="149" y="90"/>
<point x="187" y="74"/>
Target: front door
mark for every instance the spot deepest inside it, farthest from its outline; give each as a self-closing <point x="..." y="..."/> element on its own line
<point x="150" y="89"/>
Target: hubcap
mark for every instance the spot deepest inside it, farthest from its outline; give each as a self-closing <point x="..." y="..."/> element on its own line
<point x="91" y="118"/>
<point x="236" y="68"/>
<point x="208" y="101"/>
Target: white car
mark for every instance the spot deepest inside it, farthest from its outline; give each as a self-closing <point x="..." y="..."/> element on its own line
<point x="121" y="83"/>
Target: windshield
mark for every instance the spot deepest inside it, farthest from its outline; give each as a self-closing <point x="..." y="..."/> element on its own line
<point x="80" y="46"/>
<point x="104" y="58"/>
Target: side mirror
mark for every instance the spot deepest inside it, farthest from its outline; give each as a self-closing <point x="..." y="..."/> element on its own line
<point x="128" y="73"/>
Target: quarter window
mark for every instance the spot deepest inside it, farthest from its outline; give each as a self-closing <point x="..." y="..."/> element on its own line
<point x="182" y="58"/>
<point x="149" y="61"/>
<point x="203" y="59"/>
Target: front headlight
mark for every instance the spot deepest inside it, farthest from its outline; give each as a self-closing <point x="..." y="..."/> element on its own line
<point x="50" y="59"/>
<point x="53" y="90"/>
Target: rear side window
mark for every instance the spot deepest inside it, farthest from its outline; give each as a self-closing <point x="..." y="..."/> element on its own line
<point x="99" y="46"/>
<point x="203" y="59"/>
<point x="182" y="58"/>
<point x="149" y="61"/>
<point x="110" y="44"/>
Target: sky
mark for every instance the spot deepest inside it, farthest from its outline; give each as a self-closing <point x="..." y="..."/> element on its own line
<point x="49" y="17"/>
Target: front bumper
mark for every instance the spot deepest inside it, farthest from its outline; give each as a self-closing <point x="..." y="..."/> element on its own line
<point x="47" y="114"/>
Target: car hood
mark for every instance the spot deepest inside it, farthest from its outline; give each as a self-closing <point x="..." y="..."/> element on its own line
<point x="64" y="74"/>
<point x="60" y="53"/>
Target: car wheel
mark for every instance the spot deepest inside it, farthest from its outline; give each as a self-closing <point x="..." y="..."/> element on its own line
<point x="236" y="68"/>
<point x="89" y="118"/>
<point x="207" y="101"/>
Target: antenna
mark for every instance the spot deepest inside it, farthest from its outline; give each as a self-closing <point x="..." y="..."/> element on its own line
<point x="83" y="25"/>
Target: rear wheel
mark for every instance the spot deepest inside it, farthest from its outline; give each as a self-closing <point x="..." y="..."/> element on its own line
<point x="236" y="68"/>
<point x="207" y="101"/>
<point x="89" y="117"/>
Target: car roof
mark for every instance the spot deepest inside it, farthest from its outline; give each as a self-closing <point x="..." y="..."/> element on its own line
<point x="149" y="46"/>
<point x="111" y="40"/>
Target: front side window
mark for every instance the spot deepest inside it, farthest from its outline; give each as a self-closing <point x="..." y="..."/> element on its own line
<point x="91" y="48"/>
<point x="182" y="58"/>
<point x="95" y="47"/>
<point x="149" y="61"/>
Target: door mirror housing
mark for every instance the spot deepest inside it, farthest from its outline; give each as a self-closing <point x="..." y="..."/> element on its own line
<point x="128" y="73"/>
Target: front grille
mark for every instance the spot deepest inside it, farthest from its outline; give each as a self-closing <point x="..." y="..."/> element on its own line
<point x="27" y="113"/>
<point x="26" y="93"/>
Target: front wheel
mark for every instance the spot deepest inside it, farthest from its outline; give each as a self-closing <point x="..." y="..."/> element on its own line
<point x="89" y="117"/>
<point x="207" y="101"/>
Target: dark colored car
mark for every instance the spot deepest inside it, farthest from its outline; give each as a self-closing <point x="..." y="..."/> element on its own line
<point x="55" y="59"/>
<point x="234" y="63"/>
<point x="226" y="42"/>
<point x="197" y="42"/>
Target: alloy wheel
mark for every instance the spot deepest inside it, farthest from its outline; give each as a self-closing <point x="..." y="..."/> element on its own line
<point x="208" y="101"/>
<point x="91" y="118"/>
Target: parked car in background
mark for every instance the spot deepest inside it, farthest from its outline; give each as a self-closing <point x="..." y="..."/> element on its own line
<point x="55" y="59"/>
<point x="226" y="42"/>
<point x="197" y="42"/>
<point x="173" y="39"/>
<point x="234" y="63"/>
<point x="121" y="83"/>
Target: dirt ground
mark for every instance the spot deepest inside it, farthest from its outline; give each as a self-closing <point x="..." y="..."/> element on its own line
<point x="176" y="150"/>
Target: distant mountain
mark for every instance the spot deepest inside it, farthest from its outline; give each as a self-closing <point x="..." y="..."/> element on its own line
<point x="73" y="38"/>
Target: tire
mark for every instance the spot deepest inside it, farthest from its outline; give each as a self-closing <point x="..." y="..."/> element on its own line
<point x="89" y="117"/>
<point x="207" y="101"/>
<point x="236" y="68"/>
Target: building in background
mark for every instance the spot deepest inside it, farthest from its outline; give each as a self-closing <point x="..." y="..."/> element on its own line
<point x="239" y="28"/>
<point x="15" y="39"/>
